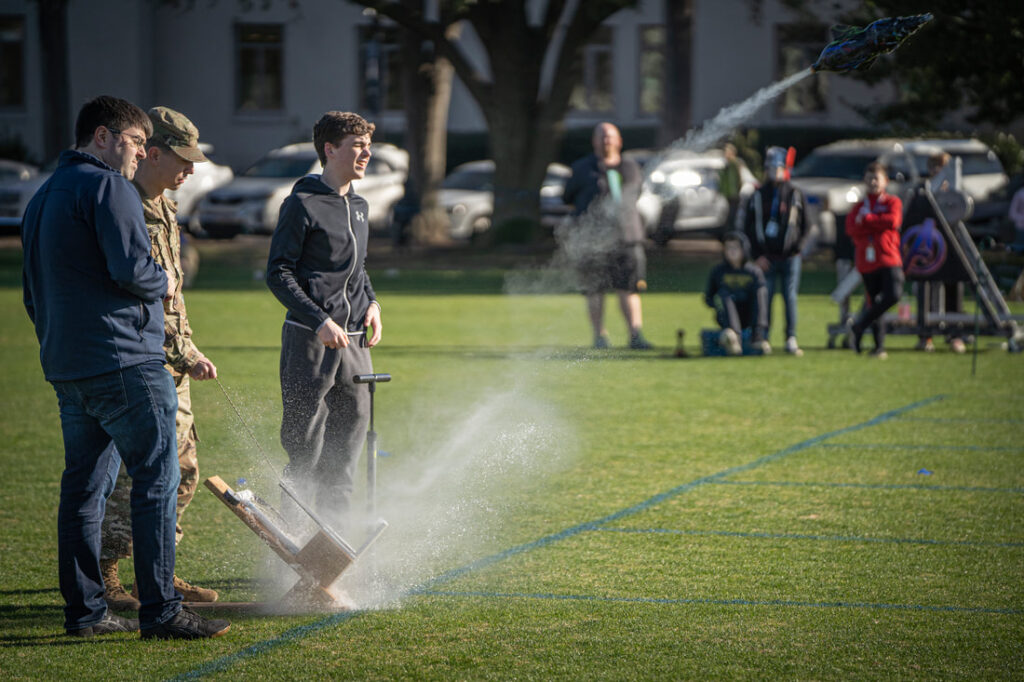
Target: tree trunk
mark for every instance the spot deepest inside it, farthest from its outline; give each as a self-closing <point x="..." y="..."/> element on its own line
<point x="676" y="115"/>
<point x="426" y="86"/>
<point x="53" y="39"/>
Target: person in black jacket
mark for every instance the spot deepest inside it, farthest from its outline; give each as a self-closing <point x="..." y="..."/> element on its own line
<point x="737" y="291"/>
<point x="775" y="221"/>
<point x="316" y="269"/>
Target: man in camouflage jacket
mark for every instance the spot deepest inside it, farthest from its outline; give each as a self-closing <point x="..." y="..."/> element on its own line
<point x="171" y="152"/>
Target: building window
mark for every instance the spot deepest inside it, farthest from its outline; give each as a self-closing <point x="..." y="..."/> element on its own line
<point x="798" y="47"/>
<point x="652" y="70"/>
<point x="595" y="93"/>
<point x="380" y="80"/>
<point x="259" y="50"/>
<point x="12" y="62"/>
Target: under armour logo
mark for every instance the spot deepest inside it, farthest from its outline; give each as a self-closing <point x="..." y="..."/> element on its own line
<point x="359" y="216"/>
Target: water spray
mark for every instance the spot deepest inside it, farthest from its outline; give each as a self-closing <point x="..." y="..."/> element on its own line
<point x="320" y="561"/>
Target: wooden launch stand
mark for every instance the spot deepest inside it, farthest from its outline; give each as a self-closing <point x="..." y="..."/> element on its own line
<point x="319" y="562"/>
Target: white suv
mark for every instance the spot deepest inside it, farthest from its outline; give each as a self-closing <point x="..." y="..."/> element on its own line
<point x="251" y="202"/>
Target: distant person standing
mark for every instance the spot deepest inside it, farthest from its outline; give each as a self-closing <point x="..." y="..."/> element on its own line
<point x="94" y="293"/>
<point x="604" y="188"/>
<point x="730" y="182"/>
<point x="874" y="227"/>
<point x="317" y="270"/>
<point x="171" y="151"/>
<point x="775" y="222"/>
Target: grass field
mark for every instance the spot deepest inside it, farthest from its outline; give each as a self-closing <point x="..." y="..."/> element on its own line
<point x="563" y="513"/>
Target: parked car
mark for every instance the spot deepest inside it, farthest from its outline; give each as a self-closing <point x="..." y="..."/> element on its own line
<point x="206" y="177"/>
<point x="18" y="183"/>
<point x="14" y="171"/>
<point x="14" y="197"/>
<point x="250" y="203"/>
<point x="832" y="179"/>
<point x="680" y="194"/>
<point x="467" y="195"/>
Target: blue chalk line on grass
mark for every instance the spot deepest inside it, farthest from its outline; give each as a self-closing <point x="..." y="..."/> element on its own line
<point x="426" y="588"/>
<point x="912" y="446"/>
<point x="879" y="486"/>
<point x="953" y="420"/>
<point x="730" y="602"/>
<point x="802" y="536"/>
<point x="657" y="499"/>
<point x="295" y="634"/>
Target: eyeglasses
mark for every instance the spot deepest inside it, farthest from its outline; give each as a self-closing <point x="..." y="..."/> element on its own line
<point x="136" y="141"/>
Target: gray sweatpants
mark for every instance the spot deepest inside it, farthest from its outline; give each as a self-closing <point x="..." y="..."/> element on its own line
<point x="325" y="416"/>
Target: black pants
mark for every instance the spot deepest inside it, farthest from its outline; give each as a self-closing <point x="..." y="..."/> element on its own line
<point x="883" y="288"/>
<point x="739" y="315"/>
<point x="325" y="415"/>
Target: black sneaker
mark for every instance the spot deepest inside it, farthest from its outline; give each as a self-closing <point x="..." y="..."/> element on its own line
<point x="111" y="622"/>
<point x="187" y="625"/>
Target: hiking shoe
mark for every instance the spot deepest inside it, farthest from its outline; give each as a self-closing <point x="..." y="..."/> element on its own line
<point x="792" y="348"/>
<point x="638" y="342"/>
<point x="187" y="624"/>
<point x="111" y="622"/>
<point x="729" y="340"/>
<point x="114" y="594"/>
<point x="190" y="592"/>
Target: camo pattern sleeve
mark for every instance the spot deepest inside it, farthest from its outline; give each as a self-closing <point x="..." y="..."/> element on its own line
<point x="180" y="353"/>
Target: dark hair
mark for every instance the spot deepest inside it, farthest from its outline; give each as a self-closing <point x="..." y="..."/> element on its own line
<point x="876" y="167"/>
<point x="738" y="237"/>
<point x="109" y="112"/>
<point x="334" y="126"/>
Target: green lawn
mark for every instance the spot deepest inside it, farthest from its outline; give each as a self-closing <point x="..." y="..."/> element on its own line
<point x="559" y="512"/>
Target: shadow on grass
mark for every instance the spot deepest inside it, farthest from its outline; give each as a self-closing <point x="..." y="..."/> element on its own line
<point x="24" y="618"/>
<point x="42" y="590"/>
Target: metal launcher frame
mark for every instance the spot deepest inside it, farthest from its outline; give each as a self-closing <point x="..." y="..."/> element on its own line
<point x="319" y="562"/>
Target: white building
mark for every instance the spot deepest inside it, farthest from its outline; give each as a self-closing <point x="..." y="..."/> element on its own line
<point x="258" y="77"/>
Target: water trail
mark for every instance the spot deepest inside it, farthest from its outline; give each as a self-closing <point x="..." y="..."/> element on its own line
<point x="594" y="234"/>
<point x="727" y="118"/>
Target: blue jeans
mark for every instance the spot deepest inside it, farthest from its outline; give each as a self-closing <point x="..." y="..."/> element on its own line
<point x="130" y="412"/>
<point x="787" y="270"/>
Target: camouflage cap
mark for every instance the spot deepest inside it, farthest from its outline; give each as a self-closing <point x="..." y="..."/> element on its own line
<point x="177" y="132"/>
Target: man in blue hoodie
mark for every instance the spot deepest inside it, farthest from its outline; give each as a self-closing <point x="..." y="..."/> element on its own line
<point x="316" y="269"/>
<point x="94" y="294"/>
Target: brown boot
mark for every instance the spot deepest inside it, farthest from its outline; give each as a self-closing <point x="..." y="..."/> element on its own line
<point x="193" y="593"/>
<point x="115" y="595"/>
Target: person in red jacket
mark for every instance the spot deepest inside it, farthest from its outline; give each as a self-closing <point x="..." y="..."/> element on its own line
<point x="874" y="227"/>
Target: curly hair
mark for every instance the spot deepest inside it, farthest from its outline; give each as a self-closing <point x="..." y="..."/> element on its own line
<point x="334" y="126"/>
